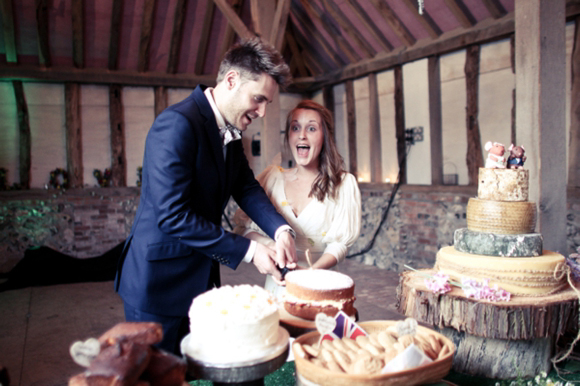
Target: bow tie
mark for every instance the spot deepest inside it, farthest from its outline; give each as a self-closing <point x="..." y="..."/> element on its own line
<point x="230" y="133"/>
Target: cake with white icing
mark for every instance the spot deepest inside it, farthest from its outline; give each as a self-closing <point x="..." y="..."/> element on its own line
<point x="499" y="243"/>
<point x="232" y="324"/>
<point x="310" y="291"/>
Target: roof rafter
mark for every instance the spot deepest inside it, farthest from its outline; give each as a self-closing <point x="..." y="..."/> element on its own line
<point x="461" y="13"/>
<point x="371" y="26"/>
<point x="279" y="23"/>
<point x="234" y="19"/>
<point x="204" y="38"/>
<point x="316" y="13"/>
<point x="116" y="16"/>
<point x="8" y="29"/>
<point x="145" y="40"/>
<point x="425" y="19"/>
<point x="394" y="22"/>
<point x="296" y="54"/>
<point x="78" y="16"/>
<point x="495" y="8"/>
<point x="230" y="34"/>
<point x="325" y="60"/>
<point x="176" y="36"/>
<point x="42" y="32"/>
<point x="336" y="13"/>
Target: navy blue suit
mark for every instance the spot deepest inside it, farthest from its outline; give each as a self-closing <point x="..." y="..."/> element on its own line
<point x="177" y="242"/>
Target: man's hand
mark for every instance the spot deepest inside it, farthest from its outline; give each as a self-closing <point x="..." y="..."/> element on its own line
<point x="265" y="260"/>
<point x="285" y="251"/>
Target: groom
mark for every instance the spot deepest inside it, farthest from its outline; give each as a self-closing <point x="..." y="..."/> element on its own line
<point x="193" y="163"/>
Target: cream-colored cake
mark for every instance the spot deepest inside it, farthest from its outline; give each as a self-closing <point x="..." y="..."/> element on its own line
<point x="499" y="243"/>
<point x="232" y="324"/>
<point x="526" y="276"/>
<point x="310" y="291"/>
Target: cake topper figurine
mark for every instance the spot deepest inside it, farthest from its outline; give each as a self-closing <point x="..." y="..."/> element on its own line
<point x="497" y="157"/>
<point x="516" y="158"/>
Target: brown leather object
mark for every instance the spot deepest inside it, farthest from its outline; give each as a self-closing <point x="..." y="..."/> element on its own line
<point x="146" y="333"/>
<point x="164" y="369"/>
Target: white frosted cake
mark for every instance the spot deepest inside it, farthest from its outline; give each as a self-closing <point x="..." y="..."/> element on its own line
<point x="232" y="324"/>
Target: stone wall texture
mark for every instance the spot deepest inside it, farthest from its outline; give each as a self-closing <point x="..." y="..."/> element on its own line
<point x="88" y="222"/>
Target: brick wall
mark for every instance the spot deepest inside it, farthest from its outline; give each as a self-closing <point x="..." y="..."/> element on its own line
<point x="89" y="222"/>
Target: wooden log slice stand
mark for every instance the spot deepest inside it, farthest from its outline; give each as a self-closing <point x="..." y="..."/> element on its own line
<point x="501" y="340"/>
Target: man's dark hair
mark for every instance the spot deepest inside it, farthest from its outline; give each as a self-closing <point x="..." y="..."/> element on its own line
<point x="252" y="58"/>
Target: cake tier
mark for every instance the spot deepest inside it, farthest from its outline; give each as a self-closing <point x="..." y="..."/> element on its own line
<point x="503" y="184"/>
<point x="508" y="218"/>
<point x="309" y="292"/>
<point x="526" y="276"/>
<point x="490" y="244"/>
<point x="230" y="324"/>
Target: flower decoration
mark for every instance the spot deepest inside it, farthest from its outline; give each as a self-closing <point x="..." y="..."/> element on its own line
<point x="103" y="179"/>
<point x="439" y="283"/>
<point x="59" y="178"/>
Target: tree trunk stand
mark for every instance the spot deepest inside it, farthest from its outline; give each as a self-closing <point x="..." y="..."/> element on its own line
<point x="502" y="340"/>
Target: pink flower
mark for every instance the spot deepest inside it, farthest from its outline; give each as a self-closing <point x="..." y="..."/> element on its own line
<point x="482" y="291"/>
<point x="438" y="283"/>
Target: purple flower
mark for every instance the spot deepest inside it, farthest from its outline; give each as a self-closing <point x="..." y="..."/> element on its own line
<point x="438" y="283"/>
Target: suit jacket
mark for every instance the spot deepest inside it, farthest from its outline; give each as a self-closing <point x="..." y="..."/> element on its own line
<point x="177" y="241"/>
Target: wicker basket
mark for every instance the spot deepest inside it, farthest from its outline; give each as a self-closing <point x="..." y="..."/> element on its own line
<point x="506" y="218"/>
<point x="431" y="372"/>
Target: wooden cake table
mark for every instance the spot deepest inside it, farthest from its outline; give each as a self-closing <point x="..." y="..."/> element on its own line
<point x="500" y="340"/>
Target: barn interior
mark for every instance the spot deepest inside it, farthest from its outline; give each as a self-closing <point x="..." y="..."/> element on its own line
<point x="416" y="89"/>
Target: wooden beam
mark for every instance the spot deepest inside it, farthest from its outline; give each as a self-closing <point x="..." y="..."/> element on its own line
<point x="377" y="34"/>
<point x="495" y="8"/>
<point x="435" y="121"/>
<point x="474" y="156"/>
<point x="400" y="124"/>
<point x="375" y="130"/>
<point x="234" y="19"/>
<point x="351" y="126"/>
<point x="279" y="24"/>
<point x="230" y="34"/>
<point x="8" y="30"/>
<point x="296" y="55"/>
<point x="161" y="100"/>
<point x="77" y="12"/>
<point x="574" y="146"/>
<point x="115" y="35"/>
<point x="315" y="13"/>
<point x="452" y="41"/>
<point x="116" y="116"/>
<point x="146" y="32"/>
<point x="204" y="38"/>
<point x="312" y="47"/>
<point x="315" y="39"/>
<point x="74" y="143"/>
<point x="461" y="13"/>
<point x="336" y="14"/>
<point x="176" y="36"/>
<point x="42" y="32"/>
<point x="391" y="18"/>
<point x="24" y="154"/>
<point x="102" y="76"/>
<point x="425" y="19"/>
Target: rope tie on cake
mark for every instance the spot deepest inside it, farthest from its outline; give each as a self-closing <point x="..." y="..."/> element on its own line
<point x="562" y="356"/>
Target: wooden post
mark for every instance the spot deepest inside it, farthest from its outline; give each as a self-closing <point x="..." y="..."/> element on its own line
<point x="435" y="123"/>
<point x="400" y="124"/>
<point x="328" y="97"/>
<point x="540" y="110"/>
<point x="24" y="134"/>
<point x="375" y="130"/>
<point x="161" y="101"/>
<point x="74" y="143"/>
<point x="574" y="147"/>
<point x="474" y="156"/>
<point x="118" y="159"/>
<point x="351" y="126"/>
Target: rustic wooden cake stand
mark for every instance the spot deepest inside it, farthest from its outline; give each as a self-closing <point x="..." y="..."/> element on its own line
<point x="501" y="340"/>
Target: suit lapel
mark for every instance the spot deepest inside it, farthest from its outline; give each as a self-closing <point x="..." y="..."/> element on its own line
<point x="212" y="132"/>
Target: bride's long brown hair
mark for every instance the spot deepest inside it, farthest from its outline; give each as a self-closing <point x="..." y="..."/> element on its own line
<point x="330" y="162"/>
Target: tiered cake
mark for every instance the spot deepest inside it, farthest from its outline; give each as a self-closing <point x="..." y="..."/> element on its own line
<point x="499" y="244"/>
